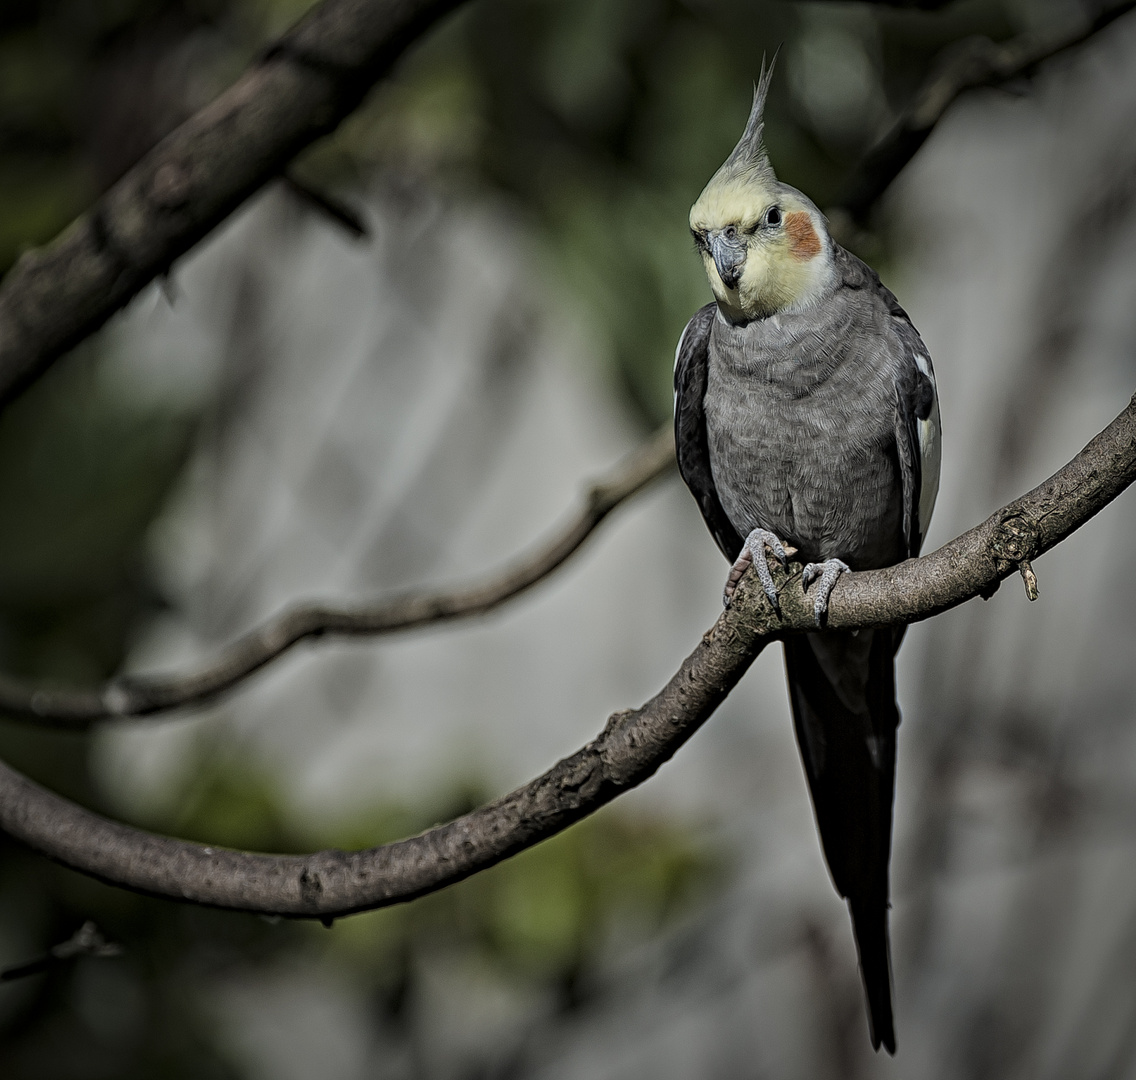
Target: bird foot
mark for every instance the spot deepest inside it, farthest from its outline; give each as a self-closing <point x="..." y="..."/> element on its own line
<point x="753" y="553"/>
<point x="826" y="574"/>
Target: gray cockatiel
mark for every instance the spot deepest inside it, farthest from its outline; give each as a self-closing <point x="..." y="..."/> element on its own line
<point x="806" y="415"/>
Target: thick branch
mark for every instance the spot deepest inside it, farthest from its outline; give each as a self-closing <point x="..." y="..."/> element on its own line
<point x="965" y="66"/>
<point x="299" y="90"/>
<point x="148" y="695"/>
<point x="631" y="747"/>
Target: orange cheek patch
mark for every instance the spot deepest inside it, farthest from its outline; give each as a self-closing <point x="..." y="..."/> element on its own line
<point x="803" y="240"/>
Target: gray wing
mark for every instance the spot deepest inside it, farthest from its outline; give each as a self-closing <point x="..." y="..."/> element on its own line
<point x="693" y="452"/>
<point x="917" y="430"/>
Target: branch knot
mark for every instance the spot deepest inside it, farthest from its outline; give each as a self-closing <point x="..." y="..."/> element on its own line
<point x="171" y="185"/>
<point x="1016" y="540"/>
<point x="582" y="779"/>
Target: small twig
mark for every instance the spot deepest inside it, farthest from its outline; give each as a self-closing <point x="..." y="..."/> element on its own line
<point x="966" y="65"/>
<point x="635" y="742"/>
<point x="136" y="696"/>
<point x="86" y="941"/>
<point x="346" y="217"/>
<point x="1029" y="578"/>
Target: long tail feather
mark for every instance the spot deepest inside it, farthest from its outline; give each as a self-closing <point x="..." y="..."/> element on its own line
<point x="870" y="926"/>
<point x="842" y="689"/>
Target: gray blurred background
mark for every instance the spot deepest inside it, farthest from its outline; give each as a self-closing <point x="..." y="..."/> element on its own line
<point x="299" y="413"/>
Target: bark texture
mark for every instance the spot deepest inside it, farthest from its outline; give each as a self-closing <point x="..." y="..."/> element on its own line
<point x="151" y="695"/>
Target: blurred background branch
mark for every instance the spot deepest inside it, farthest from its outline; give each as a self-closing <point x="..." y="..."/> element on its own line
<point x="299" y="89"/>
<point x="965" y="65"/>
<point x="86" y="941"/>
<point x="147" y="695"/>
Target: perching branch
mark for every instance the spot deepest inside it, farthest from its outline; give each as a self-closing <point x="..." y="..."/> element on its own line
<point x="965" y="65"/>
<point x="147" y="695"/>
<point x="297" y="91"/>
<point x="635" y="742"/>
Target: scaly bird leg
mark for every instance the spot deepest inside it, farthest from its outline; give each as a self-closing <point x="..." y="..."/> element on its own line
<point x="827" y="572"/>
<point x="753" y="551"/>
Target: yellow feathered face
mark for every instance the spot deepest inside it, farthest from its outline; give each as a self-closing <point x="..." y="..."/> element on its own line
<point x="764" y="249"/>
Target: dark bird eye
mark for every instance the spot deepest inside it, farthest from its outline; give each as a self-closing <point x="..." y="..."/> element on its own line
<point x="731" y="232"/>
<point x="773" y="216"/>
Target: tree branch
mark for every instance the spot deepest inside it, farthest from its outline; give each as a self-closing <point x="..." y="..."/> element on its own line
<point x="148" y="695"/>
<point x="329" y="884"/>
<point x="299" y="90"/>
<point x="966" y="65"/>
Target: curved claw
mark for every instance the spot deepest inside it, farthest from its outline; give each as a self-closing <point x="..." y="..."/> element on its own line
<point x="826" y="572"/>
<point x="753" y="552"/>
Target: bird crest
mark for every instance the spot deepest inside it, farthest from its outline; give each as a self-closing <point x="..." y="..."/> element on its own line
<point x="749" y="158"/>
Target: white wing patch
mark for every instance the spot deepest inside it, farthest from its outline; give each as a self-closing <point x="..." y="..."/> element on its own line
<point x="678" y="353"/>
<point x="930" y="448"/>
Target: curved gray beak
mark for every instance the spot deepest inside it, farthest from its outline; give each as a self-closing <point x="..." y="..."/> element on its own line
<point x="729" y="257"/>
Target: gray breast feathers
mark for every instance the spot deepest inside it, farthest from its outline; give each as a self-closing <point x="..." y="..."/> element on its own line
<point x="820" y="426"/>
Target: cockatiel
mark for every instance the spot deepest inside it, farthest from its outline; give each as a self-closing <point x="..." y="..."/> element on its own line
<point x="806" y="415"/>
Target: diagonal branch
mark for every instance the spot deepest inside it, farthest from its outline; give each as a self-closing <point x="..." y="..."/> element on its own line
<point x="148" y="695"/>
<point x="297" y="91"/>
<point x="329" y="884"/>
<point x="966" y="65"/>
